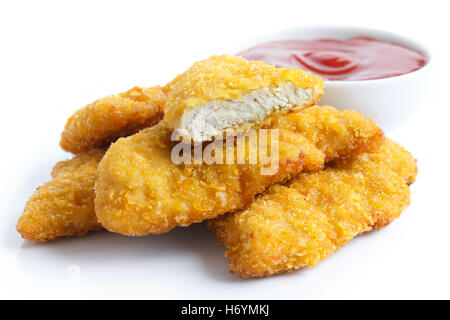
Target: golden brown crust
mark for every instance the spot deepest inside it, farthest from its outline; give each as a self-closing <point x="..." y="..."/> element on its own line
<point x="300" y="224"/>
<point x="228" y="77"/>
<point x="63" y="206"/>
<point x="140" y="190"/>
<point x="102" y="122"/>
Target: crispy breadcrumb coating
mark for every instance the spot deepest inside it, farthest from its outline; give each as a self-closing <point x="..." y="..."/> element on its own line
<point x="226" y="93"/>
<point x="63" y="206"/>
<point x="139" y="190"/>
<point x="102" y="122"/>
<point x="303" y="222"/>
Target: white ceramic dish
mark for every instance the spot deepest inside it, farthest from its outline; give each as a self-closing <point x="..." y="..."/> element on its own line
<point x="390" y="101"/>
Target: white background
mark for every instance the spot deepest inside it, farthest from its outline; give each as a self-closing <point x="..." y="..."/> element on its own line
<point x="57" y="56"/>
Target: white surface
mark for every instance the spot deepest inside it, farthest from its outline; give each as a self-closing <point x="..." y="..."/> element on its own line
<point x="56" y="57"/>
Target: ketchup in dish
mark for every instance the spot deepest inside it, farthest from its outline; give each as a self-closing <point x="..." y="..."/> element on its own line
<point x="354" y="59"/>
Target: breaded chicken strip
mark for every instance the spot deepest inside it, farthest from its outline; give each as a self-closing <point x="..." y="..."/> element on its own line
<point x="102" y="122"/>
<point x="230" y="94"/>
<point x="300" y="224"/>
<point x="63" y="206"/>
<point x="139" y="190"/>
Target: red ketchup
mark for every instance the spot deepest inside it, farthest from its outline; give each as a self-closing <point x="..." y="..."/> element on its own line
<point x="354" y="59"/>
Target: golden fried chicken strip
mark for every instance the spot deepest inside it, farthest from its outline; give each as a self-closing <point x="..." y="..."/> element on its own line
<point x="102" y="122"/>
<point x="230" y="94"/>
<point x="300" y="224"/>
<point x="139" y="190"/>
<point x="63" y="206"/>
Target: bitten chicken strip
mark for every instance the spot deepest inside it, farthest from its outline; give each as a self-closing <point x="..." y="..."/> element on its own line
<point x="303" y="222"/>
<point x="140" y="190"/>
<point x="63" y="206"/>
<point x="230" y="94"/>
<point x="104" y="121"/>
